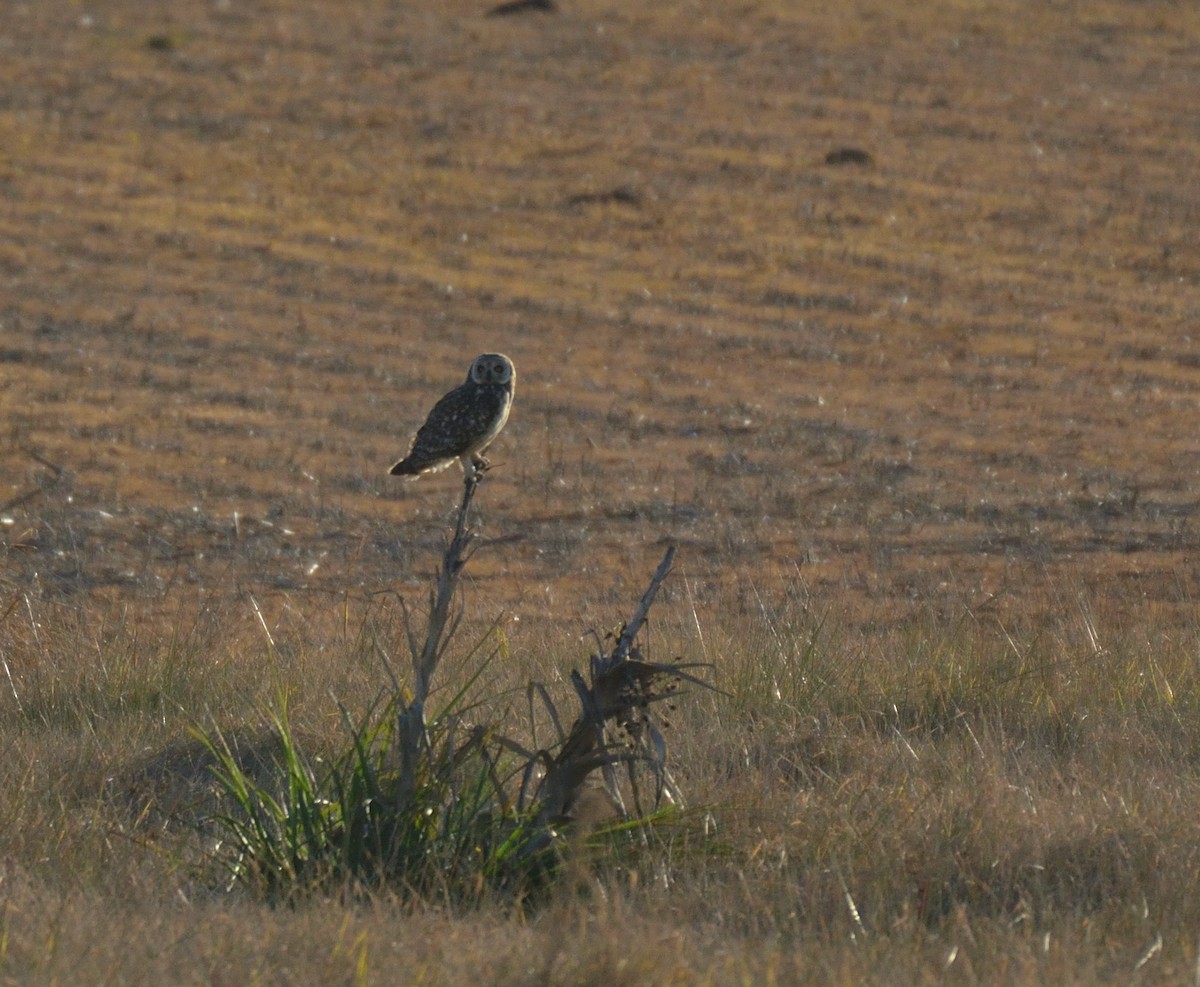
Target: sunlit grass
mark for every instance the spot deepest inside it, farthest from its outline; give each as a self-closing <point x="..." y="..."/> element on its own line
<point x="1025" y="804"/>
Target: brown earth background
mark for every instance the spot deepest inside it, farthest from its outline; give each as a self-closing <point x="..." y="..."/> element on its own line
<point x="245" y="246"/>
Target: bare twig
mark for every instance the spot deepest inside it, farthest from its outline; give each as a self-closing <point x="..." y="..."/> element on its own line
<point x="439" y="628"/>
<point x="621" y="652"/>
<point x="453" y="560"/>
<point x="622" y="689"/>
<point x="41" y="488"/>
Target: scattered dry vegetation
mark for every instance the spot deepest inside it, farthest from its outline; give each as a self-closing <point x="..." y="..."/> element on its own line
<point x="885" y="315"/>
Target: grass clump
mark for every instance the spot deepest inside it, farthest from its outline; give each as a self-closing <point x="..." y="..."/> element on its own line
<point x="425" y="801"/>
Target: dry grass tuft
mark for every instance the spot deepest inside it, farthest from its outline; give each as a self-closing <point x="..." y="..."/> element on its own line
<point x="423" y="801"/>
<point x="903" y="805"/>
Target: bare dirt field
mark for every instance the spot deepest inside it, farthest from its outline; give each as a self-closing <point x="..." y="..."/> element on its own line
<point x="894" y="306"/>
<point x="246" y="246"/>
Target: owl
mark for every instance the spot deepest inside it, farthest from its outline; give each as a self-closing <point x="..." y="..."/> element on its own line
<point x="464" y="422"/>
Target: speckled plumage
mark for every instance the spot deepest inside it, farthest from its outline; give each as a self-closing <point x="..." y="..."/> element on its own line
<point x="464" y="422"/>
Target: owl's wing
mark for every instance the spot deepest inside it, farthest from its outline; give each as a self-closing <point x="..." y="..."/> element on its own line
<point x="444" y="436"/>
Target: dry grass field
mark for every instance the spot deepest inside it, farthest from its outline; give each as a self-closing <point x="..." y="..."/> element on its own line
<point x="885" y="314"/>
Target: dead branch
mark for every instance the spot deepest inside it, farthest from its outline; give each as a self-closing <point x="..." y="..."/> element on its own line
<point x="48" y="484"/>
<point x="439" y="628"/>
<point x="616" y="704"/>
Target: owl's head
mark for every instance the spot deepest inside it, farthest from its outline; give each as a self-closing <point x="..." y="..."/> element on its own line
<point x="492" y="368"/>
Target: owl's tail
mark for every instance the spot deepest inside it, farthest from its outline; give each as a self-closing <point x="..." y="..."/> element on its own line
<point x="404" y="468"/>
